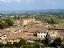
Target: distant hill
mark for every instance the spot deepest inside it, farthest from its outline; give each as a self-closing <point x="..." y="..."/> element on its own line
<point x="35" y="12"/>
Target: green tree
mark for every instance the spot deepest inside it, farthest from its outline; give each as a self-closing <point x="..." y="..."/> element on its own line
<point x="52" y="21"/>
<point x="21" y="43"/>
<point x="15" y="17"/>
<point x="15" y="44"/>
<point x="56" y="42"/>
<point x="1" y="44"/>
<point x="10" y="23"/>
<point x="3" y="25"/>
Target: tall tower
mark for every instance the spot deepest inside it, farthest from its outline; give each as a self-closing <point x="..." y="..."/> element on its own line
<point x="33" y="19"/>
<point x="18" y="22"/>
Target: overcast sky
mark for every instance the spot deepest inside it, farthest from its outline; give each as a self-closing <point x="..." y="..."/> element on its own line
<point x="31" y="4"/>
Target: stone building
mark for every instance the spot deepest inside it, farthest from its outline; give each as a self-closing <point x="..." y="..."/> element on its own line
<point x="23" y="21"/>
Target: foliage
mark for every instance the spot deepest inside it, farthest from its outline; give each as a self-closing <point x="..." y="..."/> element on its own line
<point x="10" y="23"/>
<point x="56" y="42"/>
<point x="22" y="42"/>
<point x="1" y="44"/>
<point x="5" y="23"/>
<point x="52" y="21"/>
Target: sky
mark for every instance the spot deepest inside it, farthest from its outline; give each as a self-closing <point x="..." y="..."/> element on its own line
<point x="30" y="4"/>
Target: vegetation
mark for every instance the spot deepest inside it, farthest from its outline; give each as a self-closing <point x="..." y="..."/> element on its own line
<point x="56" y="42"/>
<point x="4" y="23"/>
<point x="21" y="44"/>
<point x="10" y="23"/>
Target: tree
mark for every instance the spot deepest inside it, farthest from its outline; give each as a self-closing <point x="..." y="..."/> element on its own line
<point x="10" y="23"/>
<point x="1" y="44"/>
<point x="8" y="44"/>
<point x="52" y="21"/>
<point x="56" y="42"/>
<point x="3" y="25"/>
<point x="15" y="17"/>
<point x="15" y="44"/>
<point x="21" y="43"/>
<point x="48" y="39"/>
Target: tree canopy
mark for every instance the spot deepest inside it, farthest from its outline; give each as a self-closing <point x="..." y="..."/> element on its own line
<point x="5" y="23"/>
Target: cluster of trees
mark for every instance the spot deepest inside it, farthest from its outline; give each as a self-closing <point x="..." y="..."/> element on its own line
<point x="15" y="44"/>
<point x="48" y="19"/>
<point x="51" y="19"/>
<point x="21" y="44"/>
<point x="4" y="23"/>
<point x="56" y="42"/>
<point x="49" y="42"/>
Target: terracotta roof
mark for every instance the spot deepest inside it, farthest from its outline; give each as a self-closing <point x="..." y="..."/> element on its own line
<point x="16" y="35"/>
<point x="19" y="34"/>
<point x="30" y="37"/>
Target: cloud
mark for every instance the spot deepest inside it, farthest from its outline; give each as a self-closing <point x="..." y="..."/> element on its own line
<point x="5" y="1"/>
<point x="16" y="1"/>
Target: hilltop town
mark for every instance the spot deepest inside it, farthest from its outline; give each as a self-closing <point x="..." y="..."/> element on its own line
<point x="30" y="30"/>
<point x="31" y="23"/>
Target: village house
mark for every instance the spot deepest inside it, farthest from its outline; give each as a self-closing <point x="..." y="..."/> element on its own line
<point x="41" y="35"/>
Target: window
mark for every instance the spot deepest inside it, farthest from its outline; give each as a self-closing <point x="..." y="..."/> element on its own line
<point x="41" y="35"/>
